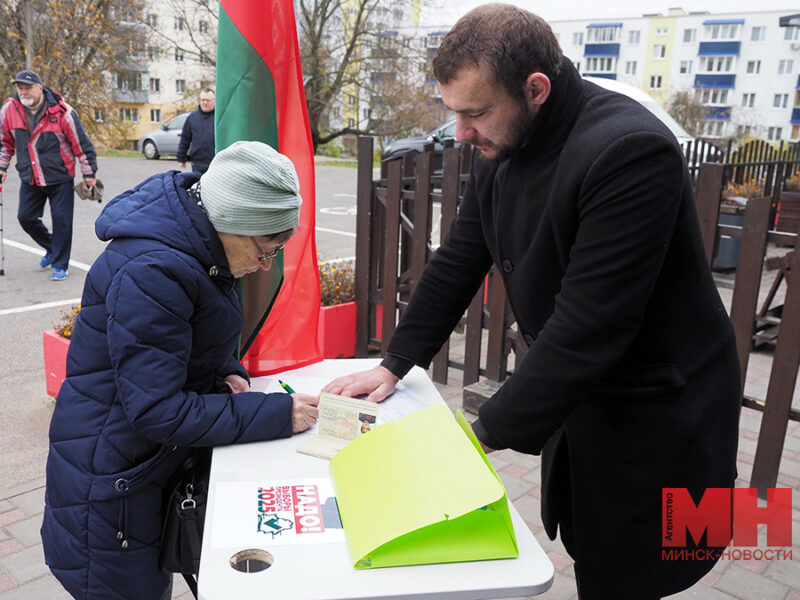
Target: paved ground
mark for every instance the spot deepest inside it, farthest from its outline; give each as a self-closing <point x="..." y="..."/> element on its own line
<point x="23" y="574"/>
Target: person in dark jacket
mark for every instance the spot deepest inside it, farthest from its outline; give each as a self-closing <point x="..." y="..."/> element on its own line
<point x="151" y="371"/>
<point x="50" y="141"/>
<point x="581" y="199"/>
<point x="197" y="136"/>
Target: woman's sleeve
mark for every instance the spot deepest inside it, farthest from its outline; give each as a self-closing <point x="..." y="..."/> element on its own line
<point x="149" y="305"/>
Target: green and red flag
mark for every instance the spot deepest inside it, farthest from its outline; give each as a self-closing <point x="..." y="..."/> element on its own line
<point x="260" y="97"/>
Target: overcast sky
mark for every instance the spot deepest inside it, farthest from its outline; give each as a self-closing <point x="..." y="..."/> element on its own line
<point x="558" y="10"/>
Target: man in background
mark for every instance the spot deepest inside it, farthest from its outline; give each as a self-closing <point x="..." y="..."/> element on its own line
<point x="50" y="141"/>
<point x="197" y="137"/>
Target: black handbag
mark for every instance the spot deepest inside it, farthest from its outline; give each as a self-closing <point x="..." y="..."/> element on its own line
<point x="184" y="514"/>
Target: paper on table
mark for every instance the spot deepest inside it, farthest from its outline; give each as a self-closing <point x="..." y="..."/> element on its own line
<point x="341" y="420"/>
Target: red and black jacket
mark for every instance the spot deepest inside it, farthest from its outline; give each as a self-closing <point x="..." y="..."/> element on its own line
<point x="49" y="154"/>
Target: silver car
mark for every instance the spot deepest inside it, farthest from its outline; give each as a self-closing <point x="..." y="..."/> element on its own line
<point x="163" y="140"/>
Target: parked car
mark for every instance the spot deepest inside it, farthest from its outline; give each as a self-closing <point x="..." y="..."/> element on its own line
<point x="163" y="140"/>
<point x="647" y="101"/>
<point x="437" y="136"/>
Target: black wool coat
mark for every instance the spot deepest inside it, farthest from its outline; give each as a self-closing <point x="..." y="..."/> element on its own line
<point x="631" y="381"/>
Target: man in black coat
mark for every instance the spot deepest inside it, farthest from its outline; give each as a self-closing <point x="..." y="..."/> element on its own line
<point x="197" y="136"/>
<point x="581" y="199"/>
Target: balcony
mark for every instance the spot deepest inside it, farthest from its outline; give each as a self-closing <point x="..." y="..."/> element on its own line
<point x="719" y="49"/>
<point x="130" y="96"/>
<point x="718" y="113"/>
<point x="601" y="50"/>
<point x="715" y="80"/>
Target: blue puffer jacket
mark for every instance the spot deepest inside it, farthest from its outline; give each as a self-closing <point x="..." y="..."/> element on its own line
<point x="154" y="339"/>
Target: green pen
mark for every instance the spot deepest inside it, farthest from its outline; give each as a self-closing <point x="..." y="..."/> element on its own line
<point x="287" y="387"/>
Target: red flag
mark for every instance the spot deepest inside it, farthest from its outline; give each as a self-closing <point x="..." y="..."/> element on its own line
<point x="260" y="97"/>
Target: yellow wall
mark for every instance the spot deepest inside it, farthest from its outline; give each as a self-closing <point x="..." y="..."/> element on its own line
<point x="653" y="66"/>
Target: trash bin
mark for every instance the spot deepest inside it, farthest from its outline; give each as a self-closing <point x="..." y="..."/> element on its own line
<point x="731" y="212"/>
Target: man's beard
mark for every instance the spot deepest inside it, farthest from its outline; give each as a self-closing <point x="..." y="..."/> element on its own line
<point x="27" y="101"/>
<point x="517" y="130"/>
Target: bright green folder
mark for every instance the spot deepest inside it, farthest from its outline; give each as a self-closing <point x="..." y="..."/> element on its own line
<point x="420" y="490"/>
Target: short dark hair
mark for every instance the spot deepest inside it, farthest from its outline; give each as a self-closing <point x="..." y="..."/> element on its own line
<point x="208" y="88"/>
<point x="511" y="41"/>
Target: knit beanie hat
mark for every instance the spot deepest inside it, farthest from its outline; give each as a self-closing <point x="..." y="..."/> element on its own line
<point x="250" y="189"/>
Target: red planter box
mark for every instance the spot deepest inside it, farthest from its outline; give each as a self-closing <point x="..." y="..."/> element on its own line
<point x="55" y="361"/>
<point x="336" y="333"/>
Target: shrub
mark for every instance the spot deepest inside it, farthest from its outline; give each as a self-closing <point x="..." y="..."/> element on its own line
<point x="66" y="323"/>
<point x="747" y="189"/>
<point x="792" y="184"/>
<point x="337" y="282"/>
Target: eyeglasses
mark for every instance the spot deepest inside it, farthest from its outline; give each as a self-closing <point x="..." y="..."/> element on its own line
<point x="264" y="256"/>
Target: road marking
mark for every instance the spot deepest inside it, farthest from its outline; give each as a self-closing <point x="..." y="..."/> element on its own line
<point x="11" y="311"/>
<point x="40" y="252"/>
<point x="344" y="195"/>
<point x="339" y="210"/>
<point x="347" y="233"/>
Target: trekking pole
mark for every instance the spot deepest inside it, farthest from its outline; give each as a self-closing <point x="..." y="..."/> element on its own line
<point x="2" y="244"/>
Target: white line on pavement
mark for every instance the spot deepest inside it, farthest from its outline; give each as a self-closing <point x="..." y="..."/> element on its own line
<point x="11" y="311"/>
<point x="344" y="195"/>
<point x="347" y="233"/>
<point x="40" y="252"/>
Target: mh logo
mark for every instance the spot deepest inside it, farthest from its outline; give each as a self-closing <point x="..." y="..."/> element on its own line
<point x="726" y="516"/>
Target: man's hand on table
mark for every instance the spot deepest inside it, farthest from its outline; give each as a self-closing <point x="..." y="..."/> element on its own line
<point x="376" y="384"/>
<point x="304" y="412"/>
<point x="237" y="384"/>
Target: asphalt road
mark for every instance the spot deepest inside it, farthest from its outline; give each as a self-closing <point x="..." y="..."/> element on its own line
<point x="30" y="302"/>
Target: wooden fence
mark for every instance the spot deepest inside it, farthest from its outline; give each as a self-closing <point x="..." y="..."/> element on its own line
<point x="394" y="242"/>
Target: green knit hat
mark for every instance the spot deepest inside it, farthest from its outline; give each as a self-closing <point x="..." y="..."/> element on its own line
<point x="250" y="189"/>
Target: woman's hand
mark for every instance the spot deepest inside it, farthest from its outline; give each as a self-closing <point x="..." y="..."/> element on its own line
<point x="376" y="384"/>
<point x="304" y="412"/>
<point x="237" y="384"/>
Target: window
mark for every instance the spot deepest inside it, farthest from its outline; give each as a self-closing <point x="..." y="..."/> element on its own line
<point x="350" y="122"/>
<point x="153" y="53"/>
<point x="689" y="35"/>
<point x="686" y="66"/>
<point x="155" y="84"/>
<point x="727" y="31"/>
<point x="662" y="30"/>
<point x="180" y="85"/>
<point x="659" y="51"/>
<point x="129" y="80"/>
<point x="202" y="26"/>
<point x="630" y="67"/>
<point x="600" y="64"/>
<point x="99" y="116"/>
<point x="791" y="33"/>
<point x="129" y="115"/>
<point x="155" y="115"/>
<point x="365" y="113"/>
<point x="743" y="130"/>
<point x="716" y="64"/>
<point x="780" y="100"/>
<point x="178" y="55"/>
<point x="785" y="67"/>
<point x="152" y="21"/>
<point x="775" y="133"/>
<point x="758" y="34"/>
<point x="714" y="96"/>
<point x="748" y="100"/>
<point x="753" y="67"/>
<point x="634" y="36"/>
<point x="351" y="100"/>
<point x="577" y="38"/>
<point x="602" y="34"/>
<point x="177" y="23"/>
<point x="655" y="82"/>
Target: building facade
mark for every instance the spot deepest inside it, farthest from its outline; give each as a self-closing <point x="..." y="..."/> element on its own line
<point x="743" y="67"/>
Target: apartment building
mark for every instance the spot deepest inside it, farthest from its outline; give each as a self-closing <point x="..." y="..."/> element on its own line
<point x="167" y="69"/>
<point x="743" y="67"/>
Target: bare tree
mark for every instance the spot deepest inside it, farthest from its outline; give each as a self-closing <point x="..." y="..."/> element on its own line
<point x="687" y="110"/>
<point x="75" y="44"/>
<point x="193" y="31"/>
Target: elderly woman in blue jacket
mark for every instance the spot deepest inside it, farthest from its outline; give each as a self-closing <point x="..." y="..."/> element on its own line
<point x="151" y="369"/>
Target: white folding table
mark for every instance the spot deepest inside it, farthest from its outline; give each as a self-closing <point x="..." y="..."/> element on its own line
<point x="324" y="571"/>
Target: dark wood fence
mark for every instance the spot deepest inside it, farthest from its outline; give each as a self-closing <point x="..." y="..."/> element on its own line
<point x="394" y="242"/>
